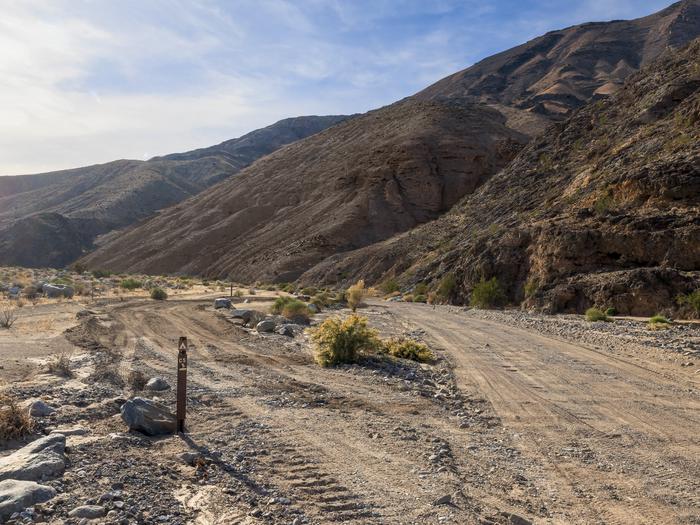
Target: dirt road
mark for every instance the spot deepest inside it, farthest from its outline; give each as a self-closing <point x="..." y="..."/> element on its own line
<point x="508" y="426"/>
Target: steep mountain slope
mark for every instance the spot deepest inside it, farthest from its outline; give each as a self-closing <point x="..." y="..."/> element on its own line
<point x="352" y="185"/>
<point x="603" y="210"/>
<point x="560" y="71"/>
<point x="51" y="219"/>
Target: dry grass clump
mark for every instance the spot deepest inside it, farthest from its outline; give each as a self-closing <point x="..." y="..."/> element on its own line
<point x="659" y="322"/>
<point x="291" y="308"/>
<point x="356" y="294"/>
<point x="8" y="315"/>
<point x="60" y="366"/>
<point x="15" y="422"/>
<point x="344" y="341"/>
<point x="409" y="349"/>
<point x="137" y="380"/>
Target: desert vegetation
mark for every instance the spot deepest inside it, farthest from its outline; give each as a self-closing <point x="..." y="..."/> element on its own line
<point x="356" y="294"/>
<point x="15" y="421"/>
<point x="487" y="294"/>
<point x="595" y="314"/>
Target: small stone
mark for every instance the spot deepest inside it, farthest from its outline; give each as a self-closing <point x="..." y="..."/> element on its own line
<point x="444" y="500"/>
<point x="90" y="512"/>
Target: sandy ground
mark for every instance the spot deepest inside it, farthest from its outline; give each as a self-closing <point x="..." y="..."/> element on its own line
<point x="510" y="425"/>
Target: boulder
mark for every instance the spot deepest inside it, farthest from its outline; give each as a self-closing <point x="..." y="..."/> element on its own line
<point x="90" y="512"/>
<point x="222" y="302"/>
<point x="158" y="384"/>
<point x="17" y="495"/>
<point x="57" y="290"/>
<point x="148" y="417"/>
<point x="265" y="326"/>
<point x="41" y="459"/>
<point x="242" y="314"/>
<point x="38" y="408"/>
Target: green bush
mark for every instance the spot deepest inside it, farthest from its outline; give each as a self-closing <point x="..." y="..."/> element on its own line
<point x="130" y="284"/>
<point x="409" y="349"/>
<point x="421" y="289"/>
<point x="339" y="341"/>
<point x="595" y="314"/>
<point x="691" y="299"/>
<point x="420" y="298"/>
<point x="531" y="287"/>
<point x="446" y="287"/>
<point x="159" y="294"/>
<point x="322" y="299"/>
<point x="391" y="285"/>
<point x="487" y="294"/>
<point x="659" y="320"/>
<point x="99" y="274"/>
<point x="309" y="290"/>
<point x="296" y="311"/>
<point x="611" y="311"/>
<point x="280" y="303"/>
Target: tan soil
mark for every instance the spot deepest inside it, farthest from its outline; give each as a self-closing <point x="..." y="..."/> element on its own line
<point x="548" y="430"/>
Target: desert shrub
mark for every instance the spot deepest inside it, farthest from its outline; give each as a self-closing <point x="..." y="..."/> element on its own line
<point x="60" y="366"/>
<point x="159" y="294"/>
<point x="391" y="285"/>
<point x="408" y="349"/>
<point x="238" y="293"/>
<point x="137" y="380"/>
<point x="691" y="299"/>
<point x="595" y="314"/>
<point x="79" y="268"/>
<point x="309" y="290"/>
<point x="130" y="284"/>
<point x="31" y="292"/>
<point x="487" y="294"/>
<point x="408" y="297"/>
<point x="296" y="311"/>
<point x="421" y="289"/>
<point x="531" y="287"/>
<point x="344" y="341"/>
<point x="280" y="303"/>
<point x="611" y="311"/>
<point x="287" y="287"/>
<point x="15" y="422"/>
<point x="99" y="274"/>
<point x="322" y="299"/>
<point x="8" y="315"/>
<point x="420" y="298"/>
<point x="356" y="294"/>
<point x="251" y="291"/>
<point x="446" y="287"/>
<point x="659" y="322"/>
<point x="106" y="372"/>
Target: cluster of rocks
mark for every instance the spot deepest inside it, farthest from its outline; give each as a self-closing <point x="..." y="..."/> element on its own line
<point x="24" y="472"/>
<point x="264" y="323"/>
<point x="679" y="338"/>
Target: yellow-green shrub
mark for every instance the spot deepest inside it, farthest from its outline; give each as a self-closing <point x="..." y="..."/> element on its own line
<point x="344" y="341"/>
<point x="408" y="349"/>
<point x="356" y="294"/>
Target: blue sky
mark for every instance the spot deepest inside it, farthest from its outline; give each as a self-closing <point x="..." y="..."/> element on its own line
<point x="87" y="81"/>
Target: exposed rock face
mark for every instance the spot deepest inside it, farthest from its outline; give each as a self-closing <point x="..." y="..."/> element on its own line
<point x="352" y="185"/>
<point x="41" y="459"/>
<point x="15" y="496"/>
<point x="558" y="72"/>
<point x="603" y="210"/>
<point x="51" y="219"/>
<point x="148" y="417"/>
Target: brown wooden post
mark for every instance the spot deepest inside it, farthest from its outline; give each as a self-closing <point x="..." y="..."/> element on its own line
<point x="181" y="383"/>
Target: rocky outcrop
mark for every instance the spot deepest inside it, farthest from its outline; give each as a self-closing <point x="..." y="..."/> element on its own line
<point x="604" y="210"/>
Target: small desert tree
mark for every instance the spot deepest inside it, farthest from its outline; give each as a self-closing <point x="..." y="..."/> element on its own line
<point x="356" y="294"/>
<point x="8" y="315"/>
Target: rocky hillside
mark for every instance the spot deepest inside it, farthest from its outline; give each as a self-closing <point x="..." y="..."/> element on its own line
<point x="562" y="70"/>
<point x="352" y="185"/>
<point x="385" y="172"/>
<point x="51" y="219"/>
<point x="604" y="209"/>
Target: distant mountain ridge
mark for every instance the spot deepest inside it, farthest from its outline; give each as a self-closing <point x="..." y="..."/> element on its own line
<point x="389" y="170"/>
<point x="51" y="219"/>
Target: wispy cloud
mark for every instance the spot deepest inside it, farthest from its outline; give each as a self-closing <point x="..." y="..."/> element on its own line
<point x="84" y="81"/>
